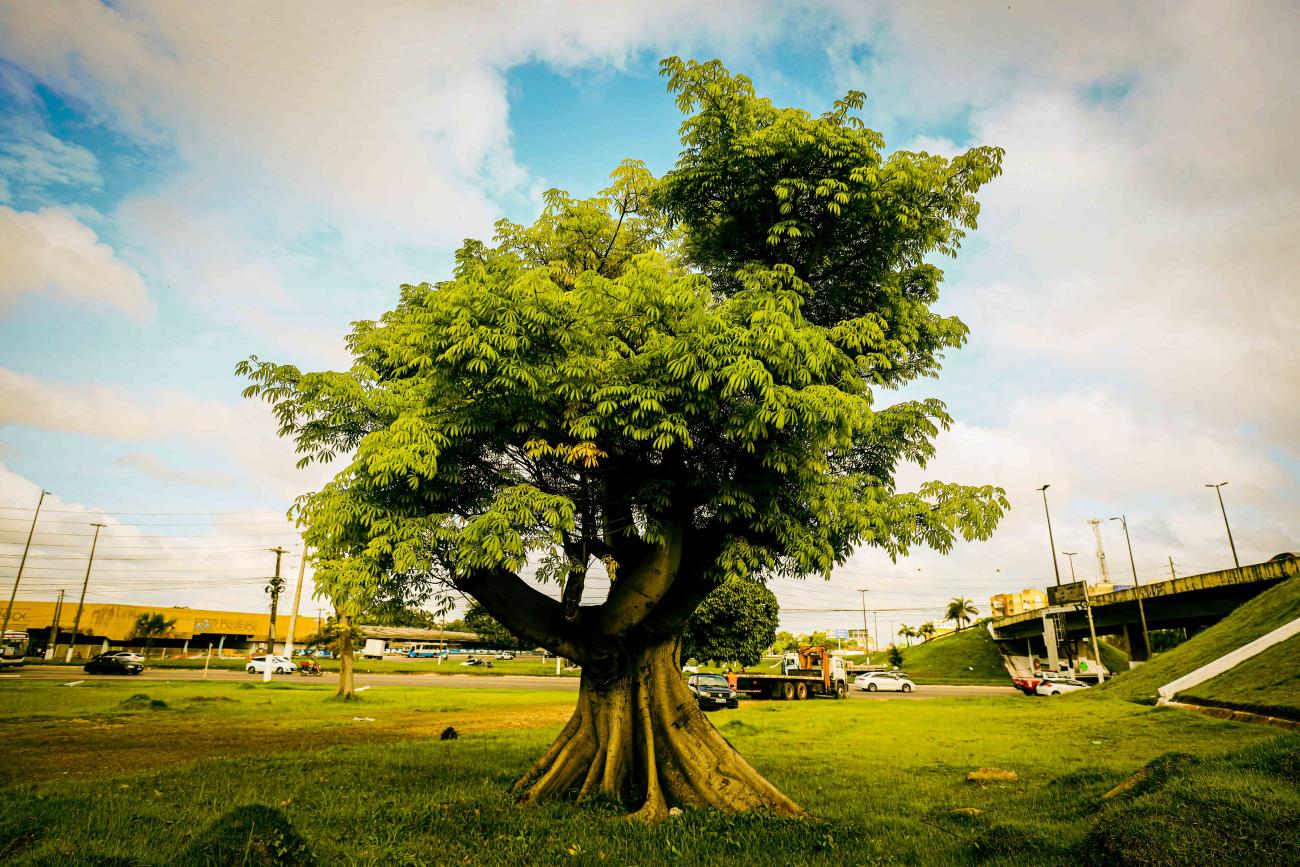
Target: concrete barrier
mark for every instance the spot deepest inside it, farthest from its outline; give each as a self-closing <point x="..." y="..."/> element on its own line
<point x="1229" y="660"/>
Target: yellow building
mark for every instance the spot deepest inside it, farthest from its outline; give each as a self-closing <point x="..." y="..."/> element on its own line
<point x="111" y="625"/>
<point x="1007" y="604"/>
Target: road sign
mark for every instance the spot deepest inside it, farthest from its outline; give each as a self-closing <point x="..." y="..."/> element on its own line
<point x="841" y="633"/>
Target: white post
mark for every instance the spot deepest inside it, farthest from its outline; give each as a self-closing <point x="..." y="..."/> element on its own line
<point x="557" y="666"/>
<point x="207" y="661"/>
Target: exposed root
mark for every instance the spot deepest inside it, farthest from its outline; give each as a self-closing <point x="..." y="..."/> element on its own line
<point x="645" y="742"/>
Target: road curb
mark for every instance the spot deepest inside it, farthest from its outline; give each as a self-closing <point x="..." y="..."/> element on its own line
<point x="1227" y="713"/>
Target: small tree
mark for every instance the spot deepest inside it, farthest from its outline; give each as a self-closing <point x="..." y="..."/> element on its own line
<point x="734" y="623"/>
<point x="895" y="656"/>
<point x="150" y="626"/>
<point x="960" y="611"/>
<point x="926" y="630"/>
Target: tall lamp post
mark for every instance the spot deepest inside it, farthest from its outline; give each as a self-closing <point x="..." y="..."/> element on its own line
<point x="1050" y="540"/>
<point x="23" y="562"/>
<point x="1231" y="544"/>
<point x="1137" y="585"/>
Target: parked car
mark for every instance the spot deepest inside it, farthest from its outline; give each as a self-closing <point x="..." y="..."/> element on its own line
<point x="884" y="681"/>
<point x="711" y="691"/>
<point x="279" y="665"/>
<point x="1060" y="686"/>
<point x="690" y="669"/>
<point x="112" y="663"/>
<point x="473" y="660"/>
<point x="505" y="654"/>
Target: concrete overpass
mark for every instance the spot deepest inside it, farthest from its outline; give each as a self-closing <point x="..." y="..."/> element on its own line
<point x="1192" y="603"/>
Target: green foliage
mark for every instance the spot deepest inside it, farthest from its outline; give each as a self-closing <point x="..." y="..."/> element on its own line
<point x="895" y="656"/>
<point x="734" y="623"/>
<point x="330" y="636"/>
<point x="151" y="625"/>
<point x="785" y="642"/>
<point x="497" y="636"/>
<point x="686" y="362"/>
<point x="960" y="611"/>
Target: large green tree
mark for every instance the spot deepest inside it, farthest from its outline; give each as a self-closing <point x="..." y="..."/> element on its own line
<point x="735" y="623"/>
<point x="675" y="382"/>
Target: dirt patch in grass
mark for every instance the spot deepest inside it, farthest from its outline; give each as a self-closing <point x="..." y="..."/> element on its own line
<point x="37" y="751"/>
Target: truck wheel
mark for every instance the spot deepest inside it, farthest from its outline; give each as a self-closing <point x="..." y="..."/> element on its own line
<point x="841" y="690"/>
<point x="801" y="691"/>
<point x="787" y="690"/>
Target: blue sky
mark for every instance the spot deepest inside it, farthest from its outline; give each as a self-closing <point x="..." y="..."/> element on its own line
<point x="181" y="189"/>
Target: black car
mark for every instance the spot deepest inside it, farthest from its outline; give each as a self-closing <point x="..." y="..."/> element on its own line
<point x="112" y="663"/>
<point x="711" y="691"/>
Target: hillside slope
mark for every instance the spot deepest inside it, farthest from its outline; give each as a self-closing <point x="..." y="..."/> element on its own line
<point x="969" y="656"/>
<point x="1261" y="615"/>
<point x="1268" y="683"/>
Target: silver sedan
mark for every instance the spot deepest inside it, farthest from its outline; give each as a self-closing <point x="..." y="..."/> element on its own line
<point x="884" y="681"/>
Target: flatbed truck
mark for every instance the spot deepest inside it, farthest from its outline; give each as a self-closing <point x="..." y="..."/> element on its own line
<point x="813" y="672"/>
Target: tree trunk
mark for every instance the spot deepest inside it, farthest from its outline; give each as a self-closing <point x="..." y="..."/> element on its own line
<point x="346" y="661"/>
<point x="639" y="736"/>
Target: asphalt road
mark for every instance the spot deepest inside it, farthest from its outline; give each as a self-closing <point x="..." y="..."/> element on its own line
<point x="444" y="681"/>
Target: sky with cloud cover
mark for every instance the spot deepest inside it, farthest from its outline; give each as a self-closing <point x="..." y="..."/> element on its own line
<point x="184" y="185"/>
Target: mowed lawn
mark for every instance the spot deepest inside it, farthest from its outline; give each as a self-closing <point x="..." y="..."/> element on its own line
<point x="191" y="773"/>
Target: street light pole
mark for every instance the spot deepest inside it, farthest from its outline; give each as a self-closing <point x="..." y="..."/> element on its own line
<point x="1137" y="585"/>
<point x="1087" y="604"/>
<point x="23" y="562"/>
<point x="1231" y="544"/>
<point x="1051" y="541"/>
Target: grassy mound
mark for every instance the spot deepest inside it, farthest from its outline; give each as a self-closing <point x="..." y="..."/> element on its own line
<point x="1238" y="808"/>
<point x="252" y="835"/>
<point x="1112" y="657"/>
<point x="969" y="656"/>
<point x="1259" y="616"/>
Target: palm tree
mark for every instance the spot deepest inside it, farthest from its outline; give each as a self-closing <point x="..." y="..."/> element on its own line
<point x="961" y="611"/>
<point x="907" y="632"/>
<point x="926" y="630"/>
<point x="150" y="626"/>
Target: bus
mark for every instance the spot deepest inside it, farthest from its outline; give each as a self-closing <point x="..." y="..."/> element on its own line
<point x="428" y="650"/>
<point x="13" y="650"/>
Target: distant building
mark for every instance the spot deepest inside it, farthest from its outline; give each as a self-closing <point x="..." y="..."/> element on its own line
<point x="1007" y="604"/>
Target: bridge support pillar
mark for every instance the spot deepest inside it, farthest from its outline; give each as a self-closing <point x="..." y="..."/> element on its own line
<point x="1137" y="646"/>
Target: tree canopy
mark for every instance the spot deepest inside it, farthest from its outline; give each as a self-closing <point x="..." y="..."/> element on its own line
<point x="735" y="623"/>
<point x="671" y="385"/>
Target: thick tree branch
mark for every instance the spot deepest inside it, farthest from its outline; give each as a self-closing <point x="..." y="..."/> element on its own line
<point x="637" y="590"/>
<point x="524" y="610"/>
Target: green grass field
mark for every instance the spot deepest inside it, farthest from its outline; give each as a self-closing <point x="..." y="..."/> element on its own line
<point x="1260" y="615"/>
<point x="222" y="773"/>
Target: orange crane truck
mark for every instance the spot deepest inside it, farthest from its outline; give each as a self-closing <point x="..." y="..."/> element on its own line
<point x="811" y="672"/>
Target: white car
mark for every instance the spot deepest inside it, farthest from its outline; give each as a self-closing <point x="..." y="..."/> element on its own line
<point x="279" y="665"/>
<point x="884" y="681"/>
<point x="127" y="655"/>
<point x="1059" y="686"/>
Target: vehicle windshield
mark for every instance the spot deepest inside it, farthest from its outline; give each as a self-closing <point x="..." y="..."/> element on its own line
<point x="712" y="680"/>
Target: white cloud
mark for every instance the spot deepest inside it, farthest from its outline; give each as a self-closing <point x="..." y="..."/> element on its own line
<point x="156" y="468"/>
<point x="31" y="157"/>
<point x="52" y="252"/>
<point x="243" y="434"/>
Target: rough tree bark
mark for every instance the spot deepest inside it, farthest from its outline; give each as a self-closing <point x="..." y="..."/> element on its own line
<point x="346" y="659"/>
<point x="641" y="738"/>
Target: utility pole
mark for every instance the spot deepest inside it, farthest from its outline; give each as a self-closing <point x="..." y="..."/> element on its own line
<point x="1056" y="567"/>
<point x="76" y="623"/>
<point x="1137" y="585"/>
<point x="297" y="594"/>
<point x="865" y="643"/>
<point x="23" y="562"/>
<point x="875" y="627"/>
<point x="275" y="587"/>
<point x="1231" y="544"/>
<point x="53" y="644"/>
<point x="1172" y="574"/>
<point x="1087" y="600"/>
